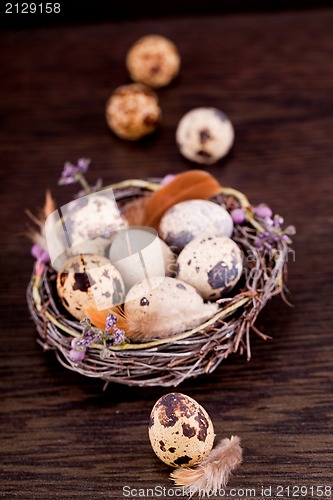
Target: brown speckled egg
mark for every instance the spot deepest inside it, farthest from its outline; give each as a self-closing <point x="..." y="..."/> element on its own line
<point x="153" y="60"/>
<point x="180" y="430"/>
<point x="188" y="219"/>
<point x="133" y="111"/>
<point x="204" y="135"/>
<point x="89" y="280"/>
<point x="93" y="224"/>
<point x="213" y="265"/>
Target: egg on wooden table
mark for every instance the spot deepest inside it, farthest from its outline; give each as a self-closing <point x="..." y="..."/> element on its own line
<point x="89" y="280"/>
<point x="188" y="219"/>
<point x="212" y="265"/>
<point x="180" y="430"/>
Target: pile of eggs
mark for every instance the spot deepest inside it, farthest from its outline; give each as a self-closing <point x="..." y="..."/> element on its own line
<point x="204" y="135"/>
<point x="199" y="264"/>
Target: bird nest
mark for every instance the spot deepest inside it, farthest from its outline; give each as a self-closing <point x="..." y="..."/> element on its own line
<point x="168" y="362"/>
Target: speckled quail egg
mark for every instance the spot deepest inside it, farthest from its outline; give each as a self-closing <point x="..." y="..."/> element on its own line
<point x="180" y="430"/>
<point x="204" y="135"/>
<point x="213" y="265"/>
<point x="91" y="224"/>
<point x="89" y="280"/>
<point x="153" y="60"/>
<point x="188" y="219"/>
<point x="138" y="253"/>
<point x="133" y="111"/>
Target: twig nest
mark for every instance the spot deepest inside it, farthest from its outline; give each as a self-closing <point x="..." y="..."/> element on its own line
<point x="133" y="111"/>
<point x="188" y="219"/>
<point x="181" y="432"/>
<point x="213" y="265"/>
<point x="89" y="280"/>
<point x="204" y="135"/>
<point x="153" y="60"/>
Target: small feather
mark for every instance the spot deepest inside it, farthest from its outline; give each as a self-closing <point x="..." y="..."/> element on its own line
<point x="38" y="236"/>
<point x="213" y="472"/>
<point x="193" y="184"/>
<point x="98" y="317"/>
<point x="134" y="212"/>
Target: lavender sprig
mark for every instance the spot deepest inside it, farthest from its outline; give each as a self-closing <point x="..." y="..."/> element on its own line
<point x="111" y="336"/>
<point x="76" y="173"/>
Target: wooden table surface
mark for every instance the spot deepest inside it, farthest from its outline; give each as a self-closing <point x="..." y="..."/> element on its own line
<point x="61" y="435"/>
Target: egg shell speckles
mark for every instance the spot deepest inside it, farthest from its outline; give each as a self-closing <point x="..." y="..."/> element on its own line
<point x="212" y="265"/>
<point x="89" y="280"/>
<point x="180" y="430"/>
<point x="204" y="135"/>
<point x="153" y="60"/>
<point x="189" y="219"/>
<point x="92" y="226"/>
<point x="133" y="111"/>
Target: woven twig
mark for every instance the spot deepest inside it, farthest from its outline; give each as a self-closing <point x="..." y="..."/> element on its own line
<point x="169" y="362"/>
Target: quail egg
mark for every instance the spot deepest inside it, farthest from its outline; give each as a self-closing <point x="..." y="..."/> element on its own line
<point x="133" y="111"/>
<point x="180" y="430"/>
<point x="213" y="265"/>
<point x="138" y="253"/>
<point x="188" y="219"/>
<point x="91" y="224"/>
<point x="153" y="60"/>
<point x="204" y="135"/>
<point x="89" y="280"/>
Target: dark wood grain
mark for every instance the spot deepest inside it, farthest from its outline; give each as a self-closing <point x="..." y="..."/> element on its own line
<point x="61" y="435"/>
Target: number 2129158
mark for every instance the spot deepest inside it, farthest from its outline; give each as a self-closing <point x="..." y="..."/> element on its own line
<point x="33" y="8"/>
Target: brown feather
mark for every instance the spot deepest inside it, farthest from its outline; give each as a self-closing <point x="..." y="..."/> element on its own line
<point x="214" y="471"/>
<point x="134" y="212"/>
<point x="148" y="210"/>
<point x="194" y="184"/>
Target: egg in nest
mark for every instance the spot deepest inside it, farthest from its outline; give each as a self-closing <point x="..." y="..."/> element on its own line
<point x="89" y="280"/>
<point x="213" y="265"/>
<point x="180" y="430"/>
<point x="191" y="218"/>
<point x="92" y="223"/>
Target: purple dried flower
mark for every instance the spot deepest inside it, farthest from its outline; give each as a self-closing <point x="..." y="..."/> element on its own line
<point x="168" y="178"/>
<point x="83" y="164"/>
<point x="263" y="211"/>
<point x="111" y="320"/>
<point x="238" y="215"/>
<point x="39" y="253"/>
<point x="278" y="220"/>
<point x="76" y="356"/>
<point x="291" y="230"/>
<point x="119" y="336"/>
<point x="71" y="173"/>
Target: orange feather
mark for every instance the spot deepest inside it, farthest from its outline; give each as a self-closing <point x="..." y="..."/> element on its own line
<point x="98" y="317"/>
<point x="190" y="185"/>
<point x="193" y="184"/>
